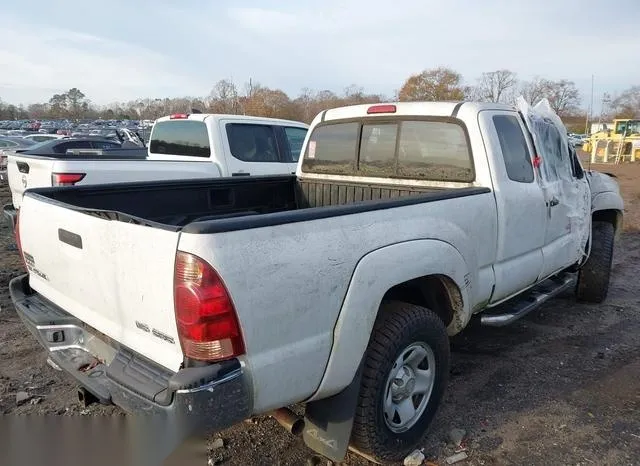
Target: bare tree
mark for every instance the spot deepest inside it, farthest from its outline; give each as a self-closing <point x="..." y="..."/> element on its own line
<point x="563" y="96"/>
<point x="627" y="104"/>
<point x="497" y="86"/>
<point x="535" y="90"/>
<point x="224" y="97"/>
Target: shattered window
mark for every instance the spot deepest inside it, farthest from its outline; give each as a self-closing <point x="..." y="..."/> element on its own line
<point x="555" y="155"/>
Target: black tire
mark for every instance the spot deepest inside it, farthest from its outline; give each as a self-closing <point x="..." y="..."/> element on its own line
<point x="594" y="275"/>
<point x="398" y="326"/>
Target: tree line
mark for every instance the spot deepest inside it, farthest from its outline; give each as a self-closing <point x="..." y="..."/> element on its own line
<point x="252" y="98"/>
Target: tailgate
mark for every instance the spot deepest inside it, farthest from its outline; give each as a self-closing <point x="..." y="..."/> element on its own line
<point x="116" y="277"/>
<point x="28" y="172"/>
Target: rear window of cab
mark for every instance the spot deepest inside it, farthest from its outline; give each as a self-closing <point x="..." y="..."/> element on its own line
<point x="433" y="150"/>
<point x="180" y="137"/>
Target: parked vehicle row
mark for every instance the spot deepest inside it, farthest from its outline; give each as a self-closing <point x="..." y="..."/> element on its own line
<point x="71" y="127"/>
<point x="578" y="140"/>
<point x="206" y="301"/>
<point x="42" y="143"/>
<point x="181" y="146"/>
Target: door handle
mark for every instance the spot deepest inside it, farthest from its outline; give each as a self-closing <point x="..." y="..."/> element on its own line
<point x="554" y="202"/>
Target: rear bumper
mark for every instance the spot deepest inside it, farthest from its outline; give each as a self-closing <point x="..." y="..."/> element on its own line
<point x="193" y="400"/>
<point x="10" y="214"/>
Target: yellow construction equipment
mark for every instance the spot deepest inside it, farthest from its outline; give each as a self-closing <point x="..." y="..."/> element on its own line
<point x="615" y="145"/>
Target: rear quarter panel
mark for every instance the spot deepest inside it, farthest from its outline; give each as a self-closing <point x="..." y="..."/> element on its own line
<point x="289" y="282"/>
<point x="39" y="176"/>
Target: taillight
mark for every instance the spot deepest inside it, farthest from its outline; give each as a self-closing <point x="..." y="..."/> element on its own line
<point x="208" y="326"/>
<point x="66" y="179"/>
<point x="179" y="116"/>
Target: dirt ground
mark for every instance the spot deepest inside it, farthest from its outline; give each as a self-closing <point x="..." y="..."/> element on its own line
<point x="559" y="387"/>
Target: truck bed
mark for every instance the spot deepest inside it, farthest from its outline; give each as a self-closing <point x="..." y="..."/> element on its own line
<point x="226" y="204"/>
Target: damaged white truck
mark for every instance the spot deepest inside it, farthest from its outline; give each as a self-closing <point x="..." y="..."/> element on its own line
<point x="209" y="301"/>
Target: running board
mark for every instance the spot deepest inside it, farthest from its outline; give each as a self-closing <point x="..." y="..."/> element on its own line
<point x="537" y="296"/>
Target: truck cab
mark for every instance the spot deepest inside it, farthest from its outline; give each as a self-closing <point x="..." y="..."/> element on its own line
<point x="240" y="145"/>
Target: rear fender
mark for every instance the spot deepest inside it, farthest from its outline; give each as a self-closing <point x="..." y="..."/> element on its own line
<point x="329" y="413"/>
<point x="375" y="274"/>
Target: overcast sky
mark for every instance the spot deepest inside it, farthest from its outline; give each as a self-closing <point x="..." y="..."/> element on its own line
<point x="114" y="51"/>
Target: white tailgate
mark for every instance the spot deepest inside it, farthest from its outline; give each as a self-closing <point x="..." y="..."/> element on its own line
<point x="38" y="176"/>
<point x="121" y="274"/>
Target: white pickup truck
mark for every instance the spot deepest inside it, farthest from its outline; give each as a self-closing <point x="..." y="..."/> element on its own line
<point x="214" y="145"/>
<point x="209" y="301"/>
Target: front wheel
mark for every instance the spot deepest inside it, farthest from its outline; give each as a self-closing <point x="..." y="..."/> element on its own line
<point x="405" y="374"/>
<point x="594" y="275"/>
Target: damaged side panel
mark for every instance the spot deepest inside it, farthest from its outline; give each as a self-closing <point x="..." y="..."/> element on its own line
<point x="565" y="188"/>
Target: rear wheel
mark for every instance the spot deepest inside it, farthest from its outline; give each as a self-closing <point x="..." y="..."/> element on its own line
<point x="405" y="375"/>
<point x="594" y="275"/>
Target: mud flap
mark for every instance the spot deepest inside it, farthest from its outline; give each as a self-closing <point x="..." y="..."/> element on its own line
<point x="328" y="422"/>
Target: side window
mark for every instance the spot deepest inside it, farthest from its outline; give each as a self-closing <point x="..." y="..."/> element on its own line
<point x="252" y="143"/>
<point x="576" y="168"/>
<point x="295" y="139"/>
<point x="556" y="163"/>
<point x="517" y="159"/>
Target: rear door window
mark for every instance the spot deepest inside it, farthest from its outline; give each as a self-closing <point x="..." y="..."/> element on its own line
<point x="180" y="137"/>
<point x="295" y="139"/>
<point x="252" y="142"/>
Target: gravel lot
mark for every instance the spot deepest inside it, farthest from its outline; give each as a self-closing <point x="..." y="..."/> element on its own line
<point x="560" y="387"/>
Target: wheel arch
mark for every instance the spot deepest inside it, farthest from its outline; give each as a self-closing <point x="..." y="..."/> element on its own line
<point x="410" y="269"/>
<point x="610" y="215"/>
<point x="438" y="292"/>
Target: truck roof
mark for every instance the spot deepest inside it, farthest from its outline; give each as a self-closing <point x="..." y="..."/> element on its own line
<point x="442" y="108"/>
<point x="219" y="116"/>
